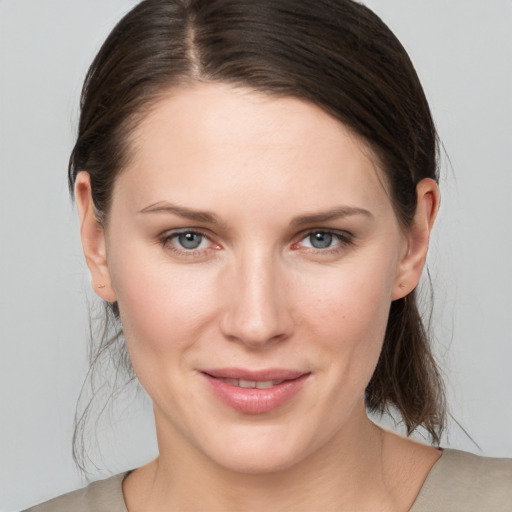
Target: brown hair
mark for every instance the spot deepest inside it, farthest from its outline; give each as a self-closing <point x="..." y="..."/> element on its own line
<point x="336" y="54"/>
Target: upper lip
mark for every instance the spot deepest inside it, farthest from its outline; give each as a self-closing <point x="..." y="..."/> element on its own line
<point x="274" y="374"/>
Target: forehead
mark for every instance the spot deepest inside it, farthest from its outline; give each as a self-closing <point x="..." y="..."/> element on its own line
<point x="219" y="139"/>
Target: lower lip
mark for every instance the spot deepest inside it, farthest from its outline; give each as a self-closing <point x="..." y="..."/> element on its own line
<point x="255" y="401"/>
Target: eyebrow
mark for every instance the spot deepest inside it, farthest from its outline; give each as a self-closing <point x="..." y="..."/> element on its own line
<point x="211" y="218"/>
<point x="181" y="211"/>
<point x="333" y="214"/>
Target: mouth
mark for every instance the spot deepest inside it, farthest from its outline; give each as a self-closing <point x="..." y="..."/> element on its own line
<point x="255" y="392"/>
<point x="253" y="384"/>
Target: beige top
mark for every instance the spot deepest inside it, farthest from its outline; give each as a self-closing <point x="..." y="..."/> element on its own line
<point x="458" y="482"/>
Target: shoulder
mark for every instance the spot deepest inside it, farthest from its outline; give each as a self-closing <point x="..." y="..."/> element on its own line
<point x="461" y="481"/>
<point x="101" y="496"/>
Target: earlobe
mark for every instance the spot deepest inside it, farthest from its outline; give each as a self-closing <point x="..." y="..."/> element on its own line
<point x="92" y="235"/>
<point x="418" y="236"/>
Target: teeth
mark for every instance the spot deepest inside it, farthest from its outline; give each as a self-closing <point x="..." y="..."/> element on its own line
<point x="266" y="384"/>
<point x="252" y="384"/>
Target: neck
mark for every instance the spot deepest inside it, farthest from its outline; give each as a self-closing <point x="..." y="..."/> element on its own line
<point x="345" y="471"/>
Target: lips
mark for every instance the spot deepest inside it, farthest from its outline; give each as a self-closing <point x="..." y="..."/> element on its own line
<point x="254" y="392"/>
<point x="253" y="384"/>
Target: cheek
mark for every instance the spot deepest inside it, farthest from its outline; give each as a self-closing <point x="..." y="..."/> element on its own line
<point x="347" y="319"/>
<point x="162" y="306"/>
<point x="349" y="300"/>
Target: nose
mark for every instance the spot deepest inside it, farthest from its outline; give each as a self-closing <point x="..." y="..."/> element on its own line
<point x="257" y="311"/>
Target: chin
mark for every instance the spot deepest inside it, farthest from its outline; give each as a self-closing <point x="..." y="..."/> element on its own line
<point x="258" y="463"/>
<point x="261" y="450"/>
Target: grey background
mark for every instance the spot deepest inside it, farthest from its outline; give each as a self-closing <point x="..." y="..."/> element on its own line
<point x="463" y="53"/>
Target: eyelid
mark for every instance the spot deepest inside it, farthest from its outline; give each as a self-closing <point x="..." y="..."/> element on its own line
<point x="166" y="240"/>
<point x="345" y="238"/>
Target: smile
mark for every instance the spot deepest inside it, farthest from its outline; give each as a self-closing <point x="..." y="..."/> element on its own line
<point x="253" y="392"/>
<point x="252" y="384"/>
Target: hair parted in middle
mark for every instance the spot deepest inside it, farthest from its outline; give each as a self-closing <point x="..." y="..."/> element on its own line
<point x="336" y="54"/>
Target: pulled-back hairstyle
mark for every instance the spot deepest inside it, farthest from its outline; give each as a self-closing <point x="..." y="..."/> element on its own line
<point x="336" y="54"/>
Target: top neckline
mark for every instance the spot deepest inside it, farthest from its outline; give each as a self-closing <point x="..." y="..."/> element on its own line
<point x="428" y="483"/>
<point x="432" y="477"/>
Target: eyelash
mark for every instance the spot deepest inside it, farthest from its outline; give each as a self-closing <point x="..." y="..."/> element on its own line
<point x="167" y="242"/>
<point x="344" y="239"/>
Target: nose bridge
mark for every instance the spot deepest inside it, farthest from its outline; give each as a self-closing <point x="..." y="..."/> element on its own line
<point x="257" y="312"/>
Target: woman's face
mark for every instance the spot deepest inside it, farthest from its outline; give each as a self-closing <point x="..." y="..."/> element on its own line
<point x="254" y="253"/>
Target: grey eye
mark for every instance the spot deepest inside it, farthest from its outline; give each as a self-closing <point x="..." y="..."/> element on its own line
<point x="189" y="240"/>
<point x="321" y="239"/>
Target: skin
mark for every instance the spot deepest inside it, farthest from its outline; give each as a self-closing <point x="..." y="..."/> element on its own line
<point x="256" y="294"/>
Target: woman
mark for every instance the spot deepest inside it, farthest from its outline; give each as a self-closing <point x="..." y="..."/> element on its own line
<point x="257" y="184"/>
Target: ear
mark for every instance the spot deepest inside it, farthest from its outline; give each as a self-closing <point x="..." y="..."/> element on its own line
<point x="93" y="238"/>
<point x="418" y="234"/>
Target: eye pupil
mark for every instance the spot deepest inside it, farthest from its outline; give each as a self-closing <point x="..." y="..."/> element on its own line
<point x="190" y="240"/>
<point x="320" y="240"/>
